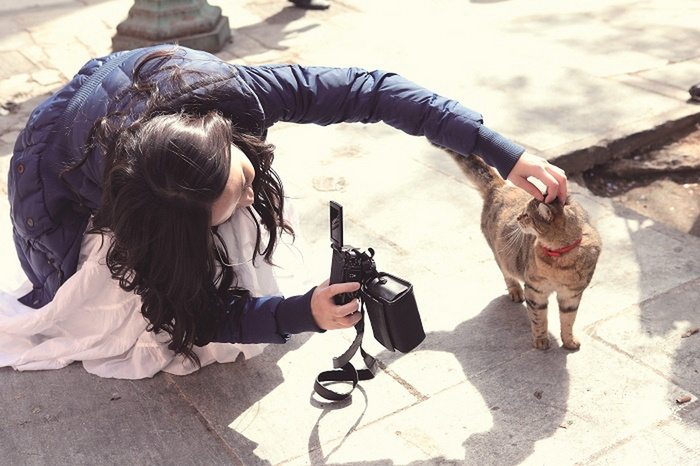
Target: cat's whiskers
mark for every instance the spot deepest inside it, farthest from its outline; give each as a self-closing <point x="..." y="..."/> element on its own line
<point x="512" y="241"/>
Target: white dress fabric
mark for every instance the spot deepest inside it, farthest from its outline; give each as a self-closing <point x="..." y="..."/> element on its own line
<point x="93" y="320"/>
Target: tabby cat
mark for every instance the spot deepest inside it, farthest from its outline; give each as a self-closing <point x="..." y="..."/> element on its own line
<point x="552" y="248"/>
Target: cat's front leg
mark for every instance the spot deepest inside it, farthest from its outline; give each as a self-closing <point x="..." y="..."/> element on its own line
<point x="568" y="308"/>
<point x="537" y="311"/>
<point x="515" y="291"/>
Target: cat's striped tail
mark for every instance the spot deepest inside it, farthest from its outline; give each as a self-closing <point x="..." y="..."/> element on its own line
<point x="479" y="173"/>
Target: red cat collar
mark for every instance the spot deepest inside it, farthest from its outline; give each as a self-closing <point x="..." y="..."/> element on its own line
<point x="559" y="252"/>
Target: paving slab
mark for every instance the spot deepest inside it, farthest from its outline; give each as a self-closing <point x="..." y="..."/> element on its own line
<point x="671" y="442"/>
<point x="677" y="75"/>
<point x="14" y="62"/>
<point x="70" y="417"/>
<point x="652" y="332"/>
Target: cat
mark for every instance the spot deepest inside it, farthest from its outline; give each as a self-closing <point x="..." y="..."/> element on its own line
<point x="552" y="248"/>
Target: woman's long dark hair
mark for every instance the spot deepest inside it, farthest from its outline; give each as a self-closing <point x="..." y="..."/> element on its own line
<point x="167" y="160"/>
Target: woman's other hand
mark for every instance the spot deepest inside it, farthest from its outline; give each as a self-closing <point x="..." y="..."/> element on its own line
<point x="330" y="316"/>
<point x="550" y="175"/>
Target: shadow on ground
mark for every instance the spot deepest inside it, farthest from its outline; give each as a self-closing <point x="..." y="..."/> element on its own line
<point x="68" y="413"/>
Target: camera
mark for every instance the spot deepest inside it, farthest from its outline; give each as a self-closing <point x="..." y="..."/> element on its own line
<point x="389" y="300"/>
<point x="348" y="263"/>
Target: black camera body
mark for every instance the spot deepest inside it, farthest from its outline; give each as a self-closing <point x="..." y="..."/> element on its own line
<point x="351" y="265"/>
<point x="389" y="300"/>
<point x="348" y="264"/>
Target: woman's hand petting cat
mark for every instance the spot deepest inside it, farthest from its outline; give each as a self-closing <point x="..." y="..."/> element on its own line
<point x="327" y="314"/>
<point x="550" y="175"/>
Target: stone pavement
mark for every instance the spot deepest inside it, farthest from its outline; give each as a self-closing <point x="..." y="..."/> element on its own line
<point x="578" y="83"/>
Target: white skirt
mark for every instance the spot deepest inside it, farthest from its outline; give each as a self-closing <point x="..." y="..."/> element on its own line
<point x="93" y="320"/>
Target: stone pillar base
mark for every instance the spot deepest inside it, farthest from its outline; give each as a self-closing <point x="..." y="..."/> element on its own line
<point x="154" y="22"/>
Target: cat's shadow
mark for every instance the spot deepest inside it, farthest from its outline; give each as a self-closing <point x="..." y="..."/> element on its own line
<point x="526" y="390"/>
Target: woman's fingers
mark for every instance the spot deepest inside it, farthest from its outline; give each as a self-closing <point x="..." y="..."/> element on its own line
<point x="560" y="176"/>
<point x="347" y="315"/>
<point x="344" y="315"/>
<point x="338" y="288"/>
<point x="347" y="308"/>
<point x="550" y="175"/>
<point x="526" y="186"/>
<point x="329" y="315"/>
<point x="552" y="184"/>
<point x="348" y="319"/>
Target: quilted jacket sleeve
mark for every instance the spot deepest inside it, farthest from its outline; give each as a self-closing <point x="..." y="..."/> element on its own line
<point x="324" y="96"/>
<point x="270" y="319"/>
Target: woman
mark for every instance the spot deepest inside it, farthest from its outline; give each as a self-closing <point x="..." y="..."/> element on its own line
<point x="153" y="149"/>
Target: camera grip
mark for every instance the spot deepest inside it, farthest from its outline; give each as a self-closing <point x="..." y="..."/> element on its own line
<point x="341" y="274"/>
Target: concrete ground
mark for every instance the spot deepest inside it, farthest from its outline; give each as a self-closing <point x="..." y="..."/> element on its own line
<point x="579" y="83"/>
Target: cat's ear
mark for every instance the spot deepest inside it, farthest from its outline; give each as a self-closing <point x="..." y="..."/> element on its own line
<point x="545" y="212"/>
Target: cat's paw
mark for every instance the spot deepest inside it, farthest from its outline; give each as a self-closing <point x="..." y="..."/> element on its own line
<point x="572" y="344"/>
<point x="516" y="293"/>
<point x="541" y="343"/>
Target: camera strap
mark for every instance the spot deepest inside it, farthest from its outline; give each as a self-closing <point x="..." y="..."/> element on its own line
<point x="345" y="371"/>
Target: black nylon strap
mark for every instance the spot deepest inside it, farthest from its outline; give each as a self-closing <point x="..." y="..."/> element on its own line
<point x="345" y="371"/>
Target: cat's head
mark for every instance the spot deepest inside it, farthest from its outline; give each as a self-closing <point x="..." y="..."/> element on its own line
<point x="542" y="219"/>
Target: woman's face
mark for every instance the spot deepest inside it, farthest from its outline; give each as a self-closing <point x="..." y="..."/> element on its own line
<point x="238" y="192"/>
